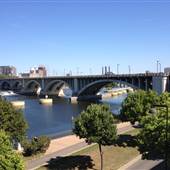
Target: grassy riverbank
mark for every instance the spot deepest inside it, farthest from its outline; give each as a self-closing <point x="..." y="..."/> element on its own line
<point x="89" y="158"/>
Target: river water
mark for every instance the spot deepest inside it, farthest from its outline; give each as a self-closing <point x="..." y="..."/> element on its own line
<point x="56" y="119"/>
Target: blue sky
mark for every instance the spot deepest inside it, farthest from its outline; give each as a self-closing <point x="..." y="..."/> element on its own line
<point x="85" y="35"/>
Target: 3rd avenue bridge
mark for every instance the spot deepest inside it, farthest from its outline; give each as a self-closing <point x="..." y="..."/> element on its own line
<point x="88" y="85"/>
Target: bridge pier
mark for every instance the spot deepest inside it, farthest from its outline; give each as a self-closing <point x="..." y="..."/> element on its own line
<point x="73" y="100"/>
<point x="159" y="84"/>
<point x="75" y="86"/>
<point x="139" y="83"/>
<point x="146" y="84"/>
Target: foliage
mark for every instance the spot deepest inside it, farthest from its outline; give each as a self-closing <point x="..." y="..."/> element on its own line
<point x="111" y="85"/>
<point x="164" y="99"/>
<point x="137" y="105"/>
<point x="96" y="125"/>
<point x="9" y="159"/>
<point x="152" y="136"/>
<point x="36" y="145"/>
<point x="3" y="76"/>
<point x="12" y="121"/>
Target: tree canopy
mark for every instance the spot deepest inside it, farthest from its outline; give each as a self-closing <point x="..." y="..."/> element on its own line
<point x="9" y="159"/>
<point x="152" y="136"/>
<point x="137" y="105"/>
<point x="12" y="121"/>
<point x="96" y="125"/>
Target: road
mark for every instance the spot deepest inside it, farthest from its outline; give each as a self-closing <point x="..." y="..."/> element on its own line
<point x="33" y="164"/>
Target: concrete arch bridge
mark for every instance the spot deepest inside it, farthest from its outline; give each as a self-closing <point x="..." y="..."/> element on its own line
<point x="85" y="86"/>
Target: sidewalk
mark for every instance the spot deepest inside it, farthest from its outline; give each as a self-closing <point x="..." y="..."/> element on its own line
<point x="143" y="164"/>
<point x="64" y="142"/>
<point x="66" y="145"/>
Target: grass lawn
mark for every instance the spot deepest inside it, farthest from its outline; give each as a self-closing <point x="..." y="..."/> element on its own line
<point x="89" y="158"/>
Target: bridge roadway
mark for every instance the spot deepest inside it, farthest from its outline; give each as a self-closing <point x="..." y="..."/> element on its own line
<point x="86" y="85"/>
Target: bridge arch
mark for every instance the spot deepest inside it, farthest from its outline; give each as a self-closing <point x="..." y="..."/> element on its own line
<point x="5" y="85"/>
<point x="94" y="87"/>
<point x="54" y="87"/>
<point x="17" y="85"/>
<point x="32" y="86"/>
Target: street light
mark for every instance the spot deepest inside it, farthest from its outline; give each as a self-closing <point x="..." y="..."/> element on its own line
<point x="118" y="68"/>
<point x="129" y="69"/>
<point x="157" y="65"/>
<point x="166" y="134"/>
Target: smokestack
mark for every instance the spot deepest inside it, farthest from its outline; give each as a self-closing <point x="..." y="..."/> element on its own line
<point x="105" y="69"/>
<point x="109" y="69"/>
<point x="102" y="70"/>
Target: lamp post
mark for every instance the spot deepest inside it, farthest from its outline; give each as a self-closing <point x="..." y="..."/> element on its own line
<point x="166" y="134"/>
<point x="157" y="65"/>
<point x="129" y="69"/>
<point x="118" y="68"/>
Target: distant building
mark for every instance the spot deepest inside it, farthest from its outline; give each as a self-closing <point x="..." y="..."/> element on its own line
<point x="38" y="72"/>
<point x="167" y="70"/>
<point x="8" y="70"/>
<point x="35" y="72"/>
<point x="42" y="71"/>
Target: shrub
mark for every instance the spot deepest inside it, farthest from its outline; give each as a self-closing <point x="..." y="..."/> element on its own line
<point x="36" y="145"/>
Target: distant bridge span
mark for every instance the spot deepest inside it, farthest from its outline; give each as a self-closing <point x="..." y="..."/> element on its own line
<point x="86" y="85"/>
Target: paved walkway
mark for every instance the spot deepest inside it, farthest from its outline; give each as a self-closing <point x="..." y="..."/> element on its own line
<point x="66" y="145"/>
<point x="139" y="164"/>
<point x="145" y="165"/>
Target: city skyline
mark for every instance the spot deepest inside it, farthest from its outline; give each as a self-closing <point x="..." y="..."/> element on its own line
<point x="83" y="36"/>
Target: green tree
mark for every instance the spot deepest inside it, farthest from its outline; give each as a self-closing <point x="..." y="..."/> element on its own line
<point x="137" y="105"/>
<point x="152" y="136"/>
<point x="111" y="85"/>
<point x="164" y="99"/>
<point x="9" y="159"/>
<point x="2" y="76"/>
<point x="96" y="126"/>
<point x="12" y="121"/>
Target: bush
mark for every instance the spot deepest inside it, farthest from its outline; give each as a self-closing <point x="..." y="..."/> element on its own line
<point x="9" y="159"/>
<point x="36" y="145"/>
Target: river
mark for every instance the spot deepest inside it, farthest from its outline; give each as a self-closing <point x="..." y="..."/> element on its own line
<point x="56" y="119"/>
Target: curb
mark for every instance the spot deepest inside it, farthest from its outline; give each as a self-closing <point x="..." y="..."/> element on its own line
<point x="127" y="165"/>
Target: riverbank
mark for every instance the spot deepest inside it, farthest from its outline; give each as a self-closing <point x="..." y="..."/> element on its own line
<point x="115" y="92"/>
<point x="66" y="141"/>
<point x="66" y="145"/>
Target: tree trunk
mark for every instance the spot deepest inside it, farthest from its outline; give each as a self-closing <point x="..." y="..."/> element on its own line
<point x="101" y="156"/>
